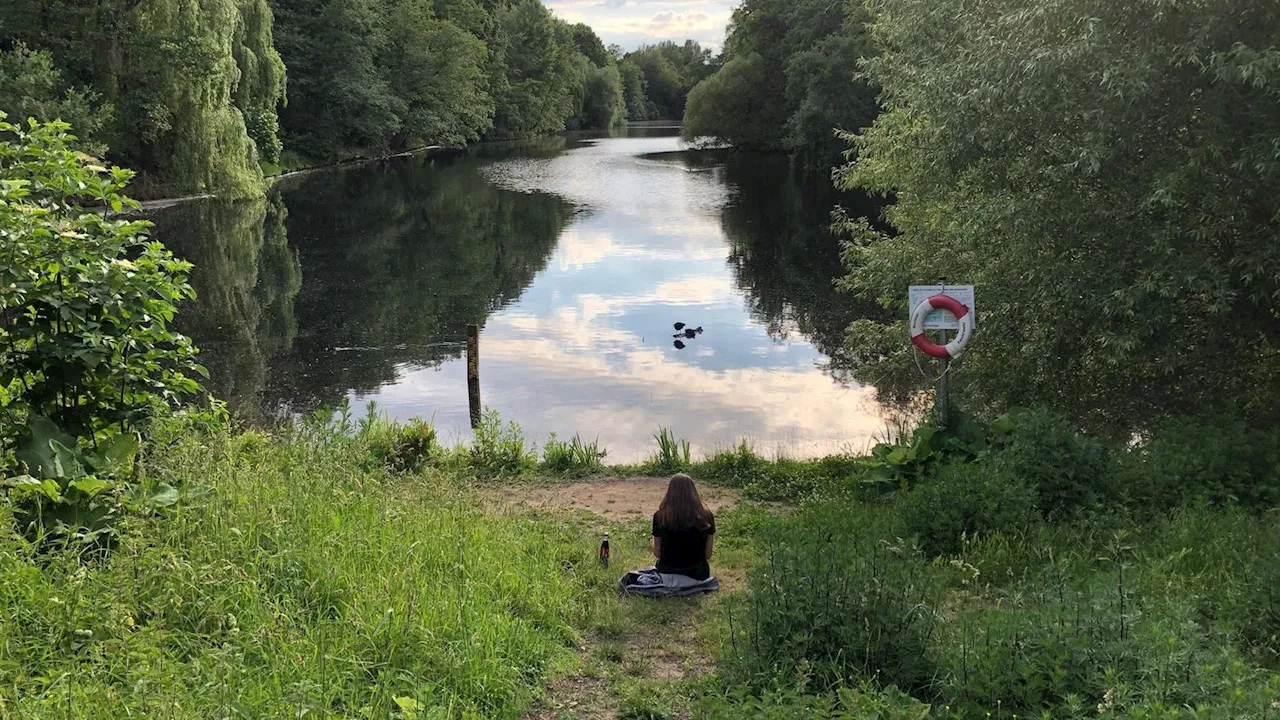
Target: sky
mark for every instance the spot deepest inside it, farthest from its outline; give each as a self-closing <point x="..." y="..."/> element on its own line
<point x="631" y="23"/>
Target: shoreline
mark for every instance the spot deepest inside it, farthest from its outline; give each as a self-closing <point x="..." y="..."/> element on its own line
<point x="270" y="180"/>
<point x="163" y="203"/>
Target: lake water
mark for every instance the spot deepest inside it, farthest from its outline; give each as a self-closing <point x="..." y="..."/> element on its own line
<point x="576" y="256"/>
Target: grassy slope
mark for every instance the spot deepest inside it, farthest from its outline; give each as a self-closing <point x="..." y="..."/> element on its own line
<point x="302" y="581"/>
<point x="303" y="578"/>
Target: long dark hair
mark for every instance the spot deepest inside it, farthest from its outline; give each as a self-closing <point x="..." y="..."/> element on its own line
<point x="682" y="507"/>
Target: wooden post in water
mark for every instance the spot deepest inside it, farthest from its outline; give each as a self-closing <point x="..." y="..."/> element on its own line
<point x="473" y="372"/>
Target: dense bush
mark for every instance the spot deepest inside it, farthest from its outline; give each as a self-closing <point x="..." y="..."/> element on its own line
<point x="498" y="451"/>
<point x="837" y="597"/>
<point x="1067" y="469"/>
<point x="86" y="350"/>
<point x="1189" y="460"/>
<point x="1071" y="578"/>
<point x="86" y="299"/>
<point x="966" y="499"/>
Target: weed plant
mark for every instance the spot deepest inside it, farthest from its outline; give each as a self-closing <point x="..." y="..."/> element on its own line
<point x="573" y="458"/>
<point x="673" y="455"/>
<point x="497" y="450"/>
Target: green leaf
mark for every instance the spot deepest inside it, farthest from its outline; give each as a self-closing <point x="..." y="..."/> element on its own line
<point x="91" y="486"/>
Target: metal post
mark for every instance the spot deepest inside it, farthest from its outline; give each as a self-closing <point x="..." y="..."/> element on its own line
<point x="944" y="384"/>
<point x="473" y="372"/>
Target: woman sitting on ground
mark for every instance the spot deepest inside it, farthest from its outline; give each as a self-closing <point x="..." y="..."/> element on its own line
<point x="683" y="531"/>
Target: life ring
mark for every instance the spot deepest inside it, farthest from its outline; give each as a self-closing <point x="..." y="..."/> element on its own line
<point x="953" y="349"/>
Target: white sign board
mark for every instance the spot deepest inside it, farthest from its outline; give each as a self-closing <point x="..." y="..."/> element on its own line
<point x="943" y="319"/>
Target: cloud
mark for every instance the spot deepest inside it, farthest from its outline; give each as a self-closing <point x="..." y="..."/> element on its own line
<point x="632" y="23"/>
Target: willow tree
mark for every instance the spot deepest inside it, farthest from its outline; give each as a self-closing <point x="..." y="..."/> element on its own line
<point x="261" y="87"/>
<point x="1105" y="172"/>
<point x="172" y="69"/>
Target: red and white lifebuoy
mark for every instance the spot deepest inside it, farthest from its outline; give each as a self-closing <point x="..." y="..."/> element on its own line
<point x="953" y="349"/>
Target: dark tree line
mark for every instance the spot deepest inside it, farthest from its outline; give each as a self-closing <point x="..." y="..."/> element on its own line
<point x="203" y="95"/>
<point x="788" y="81"/>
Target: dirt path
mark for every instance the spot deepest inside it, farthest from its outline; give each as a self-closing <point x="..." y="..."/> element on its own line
<point x="638" y="657"/>
<point x="614" y="498"/>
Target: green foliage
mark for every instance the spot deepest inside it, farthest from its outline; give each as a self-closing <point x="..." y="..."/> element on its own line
<point x="1189" y="461"/>
<point x="604" y="106"/>
<point x="673" y="455"/>
<point x="835" y="598"/>
<point x="962" y="500"/>
<point x="543" y="79"/>
<point x="1095" y="169"/>
<point x="1073" y="620"/>
<point x="670" y="71"/>
<point x="297" y="583"/>
<point x="1132" y="626"/>
<point x="590" y="45"/>
<point x="634" y="90"/>
<point x="188" y="82"/>
<point x="437" y="73"/>
<point x="789" y="81"/>
<point x="866" y="702"/>
<point x="574" y="457"/>
<point x="498" y="451"/>
<point x="86" y="299"/>
<point x="65" y="493"/>
<point x="261" y="87"/>
<point x="399" y="447"/>
<point x="726" y="107"/>
<point x="31" y="87"/>
<point x="1068" y="470"/>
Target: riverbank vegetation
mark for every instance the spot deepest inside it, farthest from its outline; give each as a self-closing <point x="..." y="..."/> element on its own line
<point x="787" y="80"/>
<point x="202" y="97"/>
<point x="1097" y="170"/>
<point x="1113" y="551"/>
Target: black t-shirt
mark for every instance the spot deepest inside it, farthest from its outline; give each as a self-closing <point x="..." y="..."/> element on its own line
<point x="683" y="551"/>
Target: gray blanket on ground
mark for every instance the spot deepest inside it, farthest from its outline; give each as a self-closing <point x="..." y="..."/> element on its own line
<point x="651" y="583"/>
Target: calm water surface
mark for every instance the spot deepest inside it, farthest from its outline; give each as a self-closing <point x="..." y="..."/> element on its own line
<point x="576" y="256"/>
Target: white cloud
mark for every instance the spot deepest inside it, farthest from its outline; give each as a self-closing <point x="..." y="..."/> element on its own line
<point x="631" y="23"/>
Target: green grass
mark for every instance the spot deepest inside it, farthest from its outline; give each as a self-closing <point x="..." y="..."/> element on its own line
<point x="358" y="569"/>
<point x="295" y="581"/>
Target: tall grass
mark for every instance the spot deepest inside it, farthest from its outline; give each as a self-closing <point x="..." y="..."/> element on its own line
<point x="297" y="580"/>
<point x="673" y="455"/>
<point x="575" y="457"/>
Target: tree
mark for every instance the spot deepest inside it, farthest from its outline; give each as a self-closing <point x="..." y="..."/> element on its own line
<point x="662" y="81"/>
<point x="543" y="80"/>
<point x="634" y="90"/>
<point x="437" y="75"/>
<point x="590" y="45"/>
<point x="172" y="71"/>
<point x="340" y="103"/>
<point x="261" y="86"/>
<point x="31" y="87"/>
<point x="804" y="81"/>
<point x="726" y="107"/>
<point x="605" y="106"/>
<point x="1103" y="172"/>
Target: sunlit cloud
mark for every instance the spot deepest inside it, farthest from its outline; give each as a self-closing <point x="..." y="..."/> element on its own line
<point x="631" y="23"/>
